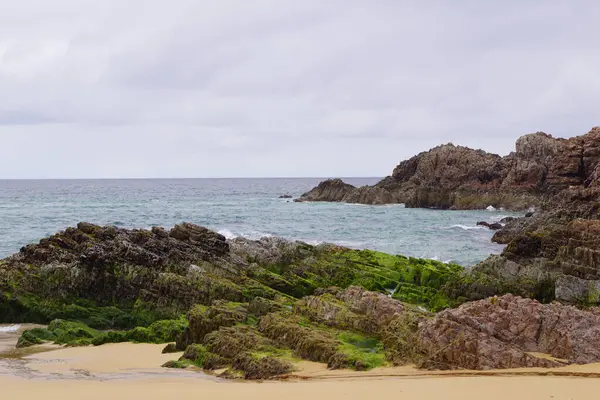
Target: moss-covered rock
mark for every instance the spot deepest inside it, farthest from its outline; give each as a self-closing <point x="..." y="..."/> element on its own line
<point x="358" y="352"/>
<point x="204" y="320"/>
<point x="252" y="306"/>
<point x="261" y="367"/>
<point x="228" y="342"/>
<point x="195" y="353"/>
<point x="299" y="335"/>
<point x="78" y="334"/>
<point x="59" y="332"/>
<point x="170" y="349"/>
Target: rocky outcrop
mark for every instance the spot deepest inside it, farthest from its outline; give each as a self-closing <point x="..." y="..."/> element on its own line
<point x="457" y="177"/>
<point x="109" y="277"/>
<point x="493" y="226"/>
<point x="334" y="190"/>
<point x="251" y="307"/>
<point x="510" y="332"/>
<point x="551" y="255"/>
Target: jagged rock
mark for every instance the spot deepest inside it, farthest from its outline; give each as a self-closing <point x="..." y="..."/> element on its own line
<point x="570" y="289"/>
<point x="372" y="195"/>
<point x="556" y="250"/>
<point x="198" y="234"/>
<point x="286" y="196"/>
<point x="507" y="332"/>
<point x="457" y="177"/>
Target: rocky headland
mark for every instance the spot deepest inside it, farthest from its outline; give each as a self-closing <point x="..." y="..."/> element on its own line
<point x="457" y="177"/>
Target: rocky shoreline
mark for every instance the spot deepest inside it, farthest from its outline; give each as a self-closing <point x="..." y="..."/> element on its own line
<point x="254" y="309"/>
<point x="460" y="178"/>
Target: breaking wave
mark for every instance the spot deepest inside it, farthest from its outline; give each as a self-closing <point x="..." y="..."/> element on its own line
<point x="468" y="228"/>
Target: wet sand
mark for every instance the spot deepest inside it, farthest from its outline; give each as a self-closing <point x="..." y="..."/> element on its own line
<point x="131" y="371"/>
<point x="430" y="388"/>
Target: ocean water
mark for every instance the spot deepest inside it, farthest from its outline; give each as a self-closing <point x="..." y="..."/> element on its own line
<point x="30" y="210"/>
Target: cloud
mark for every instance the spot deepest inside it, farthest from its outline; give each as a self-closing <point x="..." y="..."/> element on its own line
<point x="277" y="87"/>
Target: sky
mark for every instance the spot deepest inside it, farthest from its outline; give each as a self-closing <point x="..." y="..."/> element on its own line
<point x="278" y="88"/>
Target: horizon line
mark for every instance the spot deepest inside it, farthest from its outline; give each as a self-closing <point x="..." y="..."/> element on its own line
<point x="189" y="178"/>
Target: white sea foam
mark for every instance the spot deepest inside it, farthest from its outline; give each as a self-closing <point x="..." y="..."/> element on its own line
<point x="227" y="233"/>
<point x="9" y="328"/>
<point x="468" y="228"/>
<point x="491" y="208"/>
<point x="252" y="235"/>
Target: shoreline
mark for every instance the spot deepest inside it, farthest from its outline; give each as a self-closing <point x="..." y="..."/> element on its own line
<point x="126" y="370"/>
<point x="118" y="360"/>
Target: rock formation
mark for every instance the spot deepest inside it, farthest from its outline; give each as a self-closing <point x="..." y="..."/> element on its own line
<point x="253" y="307"/>
<point x="456" y="177"/>
<point x="550" y="255"/>
<point x="510" y="332"/>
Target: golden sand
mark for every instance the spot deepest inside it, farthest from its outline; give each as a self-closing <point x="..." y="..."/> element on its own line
<point x="101" y="365"/>
<point x="430" y="388"/>
<point x="106" y="359"/>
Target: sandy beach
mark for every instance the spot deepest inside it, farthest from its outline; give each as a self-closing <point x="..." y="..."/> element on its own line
<point x="128" y="371"/>
<point x="463" y="388"/>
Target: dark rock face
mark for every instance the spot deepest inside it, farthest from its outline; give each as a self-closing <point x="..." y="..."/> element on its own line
<point x="507" y="332"/>
<point x="456" y="177"/>
<point x="330" y="190"/>
<point x="550" y="255"/>
<point x="285" y="196"/>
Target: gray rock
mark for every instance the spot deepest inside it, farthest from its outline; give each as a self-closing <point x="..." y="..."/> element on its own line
<point x="570" y="289"/>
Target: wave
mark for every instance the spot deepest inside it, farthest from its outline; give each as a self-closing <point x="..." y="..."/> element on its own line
<point x="252" y="235"/>
<point x="468" y="228"/>
<point x="10" y="328"/>
<point x="227" y="233"/>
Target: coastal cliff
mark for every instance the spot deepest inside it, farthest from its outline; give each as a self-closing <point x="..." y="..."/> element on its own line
<point x="457" y="177"/>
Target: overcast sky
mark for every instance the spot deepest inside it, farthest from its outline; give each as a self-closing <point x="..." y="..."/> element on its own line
<point x="233" y="88"/>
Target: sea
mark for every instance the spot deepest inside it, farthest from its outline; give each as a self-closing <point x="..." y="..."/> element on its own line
<point x="33" y="209"/>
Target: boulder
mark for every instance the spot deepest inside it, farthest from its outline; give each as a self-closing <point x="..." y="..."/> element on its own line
<point x="510" y="332"/>
<point x="493" y="226"/>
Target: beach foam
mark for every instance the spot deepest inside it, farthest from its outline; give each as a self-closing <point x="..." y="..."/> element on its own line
<point x="9" y="328"/>
<point x="468" y="228"/>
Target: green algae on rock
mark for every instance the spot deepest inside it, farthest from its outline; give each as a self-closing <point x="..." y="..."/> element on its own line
<point x="78" y="334"/>
<point x="111" y="278"/>
<point x="254" y="307"/>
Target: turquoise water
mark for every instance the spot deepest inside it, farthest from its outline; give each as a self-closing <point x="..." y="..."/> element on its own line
<point x="30" y="210"/>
